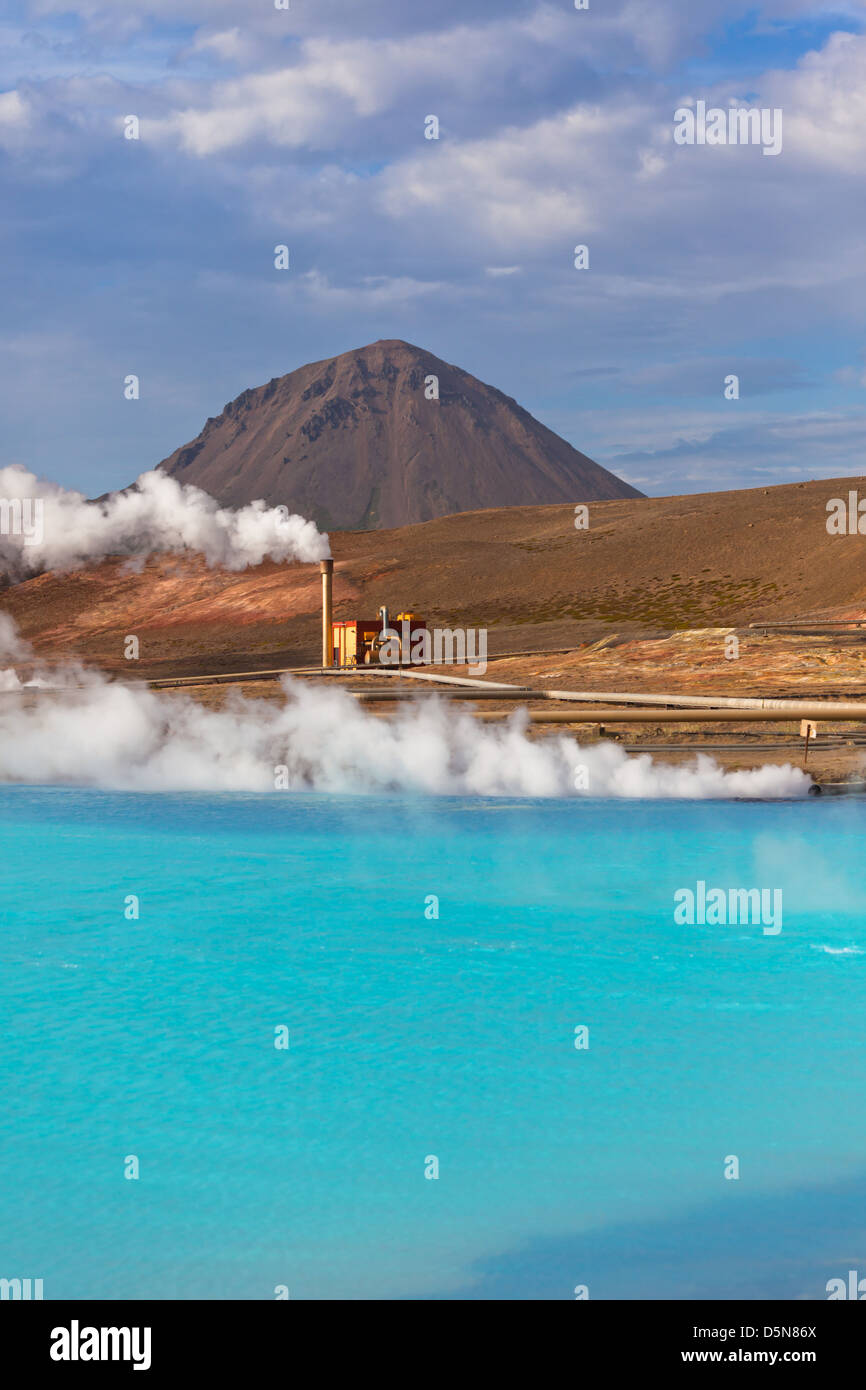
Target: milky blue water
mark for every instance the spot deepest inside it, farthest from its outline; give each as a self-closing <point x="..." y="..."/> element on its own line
<point x="412" y="1036"/>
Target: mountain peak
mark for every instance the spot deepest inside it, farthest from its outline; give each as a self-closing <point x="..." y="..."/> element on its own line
<point x="382" y="436"/>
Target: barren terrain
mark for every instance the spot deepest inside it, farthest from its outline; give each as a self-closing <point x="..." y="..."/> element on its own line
<point x="643" y="601"/>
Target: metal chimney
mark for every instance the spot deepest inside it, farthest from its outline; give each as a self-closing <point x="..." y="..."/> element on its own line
<point x="327" y="568"/>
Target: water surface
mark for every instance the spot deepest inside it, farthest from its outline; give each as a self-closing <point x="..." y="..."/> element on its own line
<point x="413" y="1035"/>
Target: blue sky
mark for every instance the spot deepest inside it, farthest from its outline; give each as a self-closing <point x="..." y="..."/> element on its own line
<point x="306" y="127"/>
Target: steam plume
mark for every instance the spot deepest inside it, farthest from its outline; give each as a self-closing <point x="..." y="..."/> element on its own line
<point x="129" y="738"/>
<point x="44" y="526"/>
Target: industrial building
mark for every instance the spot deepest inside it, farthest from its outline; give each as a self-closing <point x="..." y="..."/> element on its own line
<point x="352" y="642"/>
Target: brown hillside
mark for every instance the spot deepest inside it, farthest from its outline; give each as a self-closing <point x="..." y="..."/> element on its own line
<point x="643" y="568"/>
<point x="354" y="443"/>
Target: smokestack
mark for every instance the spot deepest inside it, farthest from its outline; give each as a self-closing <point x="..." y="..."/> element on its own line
<point x="327" y="568"/>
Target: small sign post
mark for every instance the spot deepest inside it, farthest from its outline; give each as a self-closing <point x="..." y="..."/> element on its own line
<point x="808" y="729"/>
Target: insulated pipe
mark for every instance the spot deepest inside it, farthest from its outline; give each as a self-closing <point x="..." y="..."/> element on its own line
<point x="327" y="568"/>
<point x="667" y="716"/>
<point x="796" y="625"/>
<point x="464" y="680"/>
<point x="795" y="709"/>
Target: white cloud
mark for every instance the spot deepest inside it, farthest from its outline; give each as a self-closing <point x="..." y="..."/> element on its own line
<point x="373" y="291"/>
<point x="824" y="104"/>
<point x="15" y="120"/>
<point x="522" y="187"/>
<point x="228" y="44"/>
<point x="715" y="222"/>
<point x="333" y="84"/>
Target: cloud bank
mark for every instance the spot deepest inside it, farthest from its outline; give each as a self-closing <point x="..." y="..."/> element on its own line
<point x="306" y="127"/>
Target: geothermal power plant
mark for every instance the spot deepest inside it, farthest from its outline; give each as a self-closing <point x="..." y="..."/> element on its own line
<point x="372" y="659"/>
<point x="353" y="642"/>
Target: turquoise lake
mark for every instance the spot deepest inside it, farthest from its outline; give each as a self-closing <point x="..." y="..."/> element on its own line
<point x="413" y="1036"/>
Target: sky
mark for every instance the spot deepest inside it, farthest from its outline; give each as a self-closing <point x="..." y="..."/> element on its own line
<point x="306" y="127"/>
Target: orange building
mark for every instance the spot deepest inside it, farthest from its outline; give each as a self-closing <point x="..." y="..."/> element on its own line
<point x="358" y="641"/>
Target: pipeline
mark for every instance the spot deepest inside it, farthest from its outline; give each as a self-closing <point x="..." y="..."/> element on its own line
<point x="667" y="716"/>
<point x="468" y="681"/>
<point x="796" y="709"/>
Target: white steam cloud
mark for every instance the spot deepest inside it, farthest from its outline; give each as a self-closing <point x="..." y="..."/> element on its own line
<point x="126" y="737"/>
<point x="12" y="644"/>
<point x="44" y="526"/>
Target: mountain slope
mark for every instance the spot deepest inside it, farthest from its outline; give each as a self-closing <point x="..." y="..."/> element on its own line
<point x="642" y="568"/>
<point x="355" y="444"/>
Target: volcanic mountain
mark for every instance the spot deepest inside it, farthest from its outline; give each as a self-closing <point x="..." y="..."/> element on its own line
<point x="362" y="441"/>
